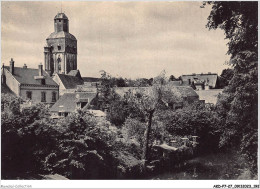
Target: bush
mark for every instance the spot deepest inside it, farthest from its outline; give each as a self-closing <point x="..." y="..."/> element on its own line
<point x="196" y="120"/>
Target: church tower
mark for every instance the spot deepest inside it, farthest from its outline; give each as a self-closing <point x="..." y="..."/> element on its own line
<point x="60" y="52"/>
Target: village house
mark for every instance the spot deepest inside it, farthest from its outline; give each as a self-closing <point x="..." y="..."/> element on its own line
<point x="198" y="81"/>
<point x="34" y="85"/>
<point x="202" y="81"/>
<point x="71" y="102"/>
<point x="72" y="82"/>
<point x="68" y="83"/>
<point x="92" y="81"/>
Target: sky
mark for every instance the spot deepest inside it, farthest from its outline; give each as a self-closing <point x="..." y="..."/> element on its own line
<point x="126" y="39"/>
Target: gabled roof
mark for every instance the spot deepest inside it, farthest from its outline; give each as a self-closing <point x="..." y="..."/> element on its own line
<point x="186" y="91"/>
<point x="68" y="101"/>
<point x="26" y="76"/>
<point x="211" y="78"/>
<point x="91" y="79"/>
<point x="70" y="82"/>
<point x="61" y="34"/>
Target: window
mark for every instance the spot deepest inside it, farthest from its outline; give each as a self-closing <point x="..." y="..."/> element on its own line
<point x="59" y="20"/>
<point x="43" y="97"/>
<point x="59" y="47"/>
<point x="43" y="81"/>
<point x="53" y="99"/>
<point x="29" y="95"/>
<point x="59" y="63"/>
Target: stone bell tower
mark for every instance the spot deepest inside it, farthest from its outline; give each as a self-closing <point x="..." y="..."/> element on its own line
<point x="60" y="52"/>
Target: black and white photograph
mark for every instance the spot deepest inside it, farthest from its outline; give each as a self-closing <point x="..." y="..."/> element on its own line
<point x="129" y="91"/>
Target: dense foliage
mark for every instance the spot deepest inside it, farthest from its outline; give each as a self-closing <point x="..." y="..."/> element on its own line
<point x="237" y="107"/>
<point x="78" y="147"/>
<point x="196" y="120"/>
<point x="225" y="77"/>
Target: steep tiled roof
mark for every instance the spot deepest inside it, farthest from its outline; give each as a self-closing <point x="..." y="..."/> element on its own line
<point x="26" y="76"/>
<point x="68" y="101"/>
<point x="212" y="78"/>
<point x="91" y="79"/>
<point x="70" y="82"/>
<point x="61" y="34"/>
<point x="186" y="91"/>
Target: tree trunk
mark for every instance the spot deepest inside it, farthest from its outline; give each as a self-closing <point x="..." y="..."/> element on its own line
<point x="146" y="139"/>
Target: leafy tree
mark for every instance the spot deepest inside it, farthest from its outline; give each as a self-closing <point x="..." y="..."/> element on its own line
<point x="135" y="129"/>
<point x="239" y="21"/>
<point x="226" y="77"/>
<point x="10" y="103"/>
<point x="149" y="101"/>
<point x="117" y="112"/>
<point x="83" y="149"/>
<point x="106" y="93"/>
<point x="195" y="119"/>
<point x="120" y="82"/>
<point x="25" y="138"/>
<point x="238" y="104"/>
<point x="172" y="78"/>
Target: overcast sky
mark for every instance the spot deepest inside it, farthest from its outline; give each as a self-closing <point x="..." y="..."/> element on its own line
<point x="128" y="39"/>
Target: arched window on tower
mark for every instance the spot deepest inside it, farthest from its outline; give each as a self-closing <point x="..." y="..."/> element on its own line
<point x="59" y="63"/>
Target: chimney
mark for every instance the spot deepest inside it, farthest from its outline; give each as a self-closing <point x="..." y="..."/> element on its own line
<point x="25" y="66"/>
<point x="40" y="69"/>
<point x="12" y="66"/>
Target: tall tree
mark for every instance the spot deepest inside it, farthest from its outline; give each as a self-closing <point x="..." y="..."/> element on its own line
<point x="226" y="77"/>
<point x="149" y="101"/>
<point x="239" y="21"/>
<point x="237" y="106"/>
